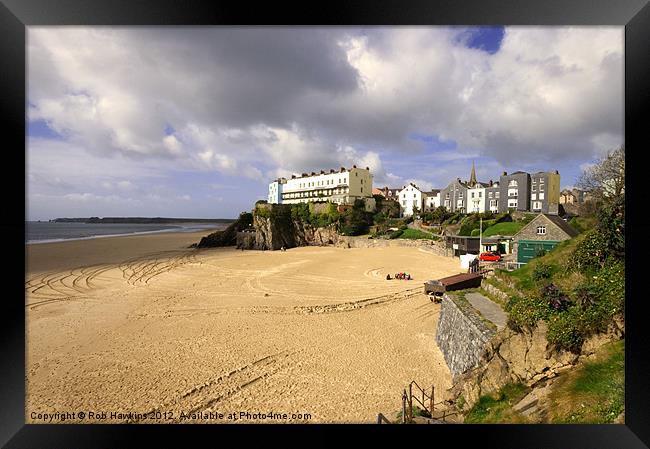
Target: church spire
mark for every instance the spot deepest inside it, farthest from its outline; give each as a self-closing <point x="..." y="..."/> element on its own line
<point x="472" y="178"/>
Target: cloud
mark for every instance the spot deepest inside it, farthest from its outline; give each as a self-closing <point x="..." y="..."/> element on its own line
<point x="250" y="104"/>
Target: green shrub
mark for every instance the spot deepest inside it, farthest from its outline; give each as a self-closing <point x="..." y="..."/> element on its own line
<point x="395" y="234"/>
<point x="246" y="218"/>
<point x="565" y="330"/>
<point x="526" y="311"/>
<point x="541" y="271"/>
<point x="611" y="223"/>
<point x="300" y="212"/>
<point x="591" y="252"/>
<point x="262" y="212"/>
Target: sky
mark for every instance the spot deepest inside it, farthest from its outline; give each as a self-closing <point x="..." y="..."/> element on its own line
<point x="196" y="121"/>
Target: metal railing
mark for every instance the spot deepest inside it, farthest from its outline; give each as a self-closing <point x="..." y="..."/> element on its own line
<point x="421" y="397"/>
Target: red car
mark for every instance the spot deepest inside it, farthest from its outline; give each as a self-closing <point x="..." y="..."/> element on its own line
<point x="490" y="256"/>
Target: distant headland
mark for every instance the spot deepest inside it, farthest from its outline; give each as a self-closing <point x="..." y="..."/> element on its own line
<point x="140" y="220"/>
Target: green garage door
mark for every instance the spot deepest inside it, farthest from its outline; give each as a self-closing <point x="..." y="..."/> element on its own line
<point x="529" y="249"/>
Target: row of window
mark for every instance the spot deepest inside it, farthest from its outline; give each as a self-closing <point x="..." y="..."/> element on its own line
<point x="327" y="182"/>
<point x="315" y="193"/>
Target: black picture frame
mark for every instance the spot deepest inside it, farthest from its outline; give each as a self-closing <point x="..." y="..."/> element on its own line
<point x="16" y="15"/>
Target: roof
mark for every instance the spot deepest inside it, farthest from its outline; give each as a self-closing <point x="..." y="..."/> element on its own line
<point x="566" y="227"/>
<point x="433" y="192"/>
<point x="518" y="172"/>
<point x="555" y="219"/>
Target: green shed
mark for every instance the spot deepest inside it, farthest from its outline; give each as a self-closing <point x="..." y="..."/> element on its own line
<point x="542" y="234"/>
<point x="529" y="249"/>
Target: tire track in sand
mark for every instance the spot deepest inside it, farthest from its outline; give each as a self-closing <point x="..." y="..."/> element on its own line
<point x="203" y="396"/>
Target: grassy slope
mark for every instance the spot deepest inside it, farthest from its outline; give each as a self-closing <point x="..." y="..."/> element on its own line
<point x="416" y="234"/>
<point x="504" y="228"/>
<point x="498" y="408"/>
<point x="593" y="392"/>
<point x="556" y="258"/>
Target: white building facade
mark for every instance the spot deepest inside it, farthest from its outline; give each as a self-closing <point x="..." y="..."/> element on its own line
<point x="431" y="200"/>
<point x="410" y="197"/>
<point x="476" y="199"/>
<point x="275" y="191"/>
<point x="341" y="187"/>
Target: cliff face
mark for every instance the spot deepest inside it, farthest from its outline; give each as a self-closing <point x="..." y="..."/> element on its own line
<point x="521" y="357"/>
<point x="272" y="233"/>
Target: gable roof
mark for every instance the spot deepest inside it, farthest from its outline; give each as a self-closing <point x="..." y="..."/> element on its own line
<point x="410" y="184"/>
<point x="566" y="227"/>
<point x="556" y="220"/>
<point x="432" y="192"/>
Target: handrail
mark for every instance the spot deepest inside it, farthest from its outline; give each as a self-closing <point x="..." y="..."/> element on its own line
<point x="381" y="418"/>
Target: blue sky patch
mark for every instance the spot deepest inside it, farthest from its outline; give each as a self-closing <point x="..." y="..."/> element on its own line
<point x="487" y="39"/>
<point x="40" y="129"/>
<point x="434" y="142"/>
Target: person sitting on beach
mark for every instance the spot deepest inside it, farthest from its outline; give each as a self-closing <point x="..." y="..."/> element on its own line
<point x="388" y="277"/>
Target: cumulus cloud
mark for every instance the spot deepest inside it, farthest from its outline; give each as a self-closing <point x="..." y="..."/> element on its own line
<point x="251" y="104"/>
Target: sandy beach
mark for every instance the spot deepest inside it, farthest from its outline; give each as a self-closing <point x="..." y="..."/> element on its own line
<point x="144" y="324"/>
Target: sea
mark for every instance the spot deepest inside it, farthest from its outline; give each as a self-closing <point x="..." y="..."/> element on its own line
<point x="46" y="232"/>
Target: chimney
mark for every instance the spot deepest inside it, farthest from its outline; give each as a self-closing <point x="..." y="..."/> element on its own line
<point x="557" y="172"/>
<point x="342" y="169"/>
<point x="505" y="173"/>
<point x="490" y="183"/>
<point x="293" y="176"/>
<point x="322" y="172"/>
<point x="331" y="170"/>
<point x="313" y="173"/>
<point x="368" y="168"/>
<point x="305" y="175"/>
<point x="354" y="166"/>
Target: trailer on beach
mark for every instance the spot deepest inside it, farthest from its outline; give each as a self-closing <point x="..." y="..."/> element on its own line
<point x="455" y="282"/>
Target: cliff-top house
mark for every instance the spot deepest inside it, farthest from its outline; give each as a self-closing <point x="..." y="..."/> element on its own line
<point x="342" y="187"/>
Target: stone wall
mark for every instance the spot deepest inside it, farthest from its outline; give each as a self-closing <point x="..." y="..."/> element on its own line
<point x="491" y="289"/>
<point x="462" y="334"/>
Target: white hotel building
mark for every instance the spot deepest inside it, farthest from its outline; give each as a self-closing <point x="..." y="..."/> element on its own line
<point x="340" y="187"/>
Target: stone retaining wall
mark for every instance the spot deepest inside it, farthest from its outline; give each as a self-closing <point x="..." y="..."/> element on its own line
<point x="462" y="335"/>
<point x="436" y="247"/>
<point x="491" y="289"/>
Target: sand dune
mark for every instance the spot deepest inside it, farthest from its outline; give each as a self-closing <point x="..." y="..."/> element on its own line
<point x="142" y="324"/>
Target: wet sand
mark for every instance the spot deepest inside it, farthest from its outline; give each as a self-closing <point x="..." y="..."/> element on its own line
<point x="143" y="324"/>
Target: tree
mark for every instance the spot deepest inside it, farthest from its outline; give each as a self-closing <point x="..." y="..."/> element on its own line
<point x="605" y="179"/>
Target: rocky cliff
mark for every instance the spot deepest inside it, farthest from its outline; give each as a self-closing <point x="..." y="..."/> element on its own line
<point x="520" y="357"/>
<point x="277" y="231"/>
<point x="228" y="236"/>
<point x="273" y="227"/>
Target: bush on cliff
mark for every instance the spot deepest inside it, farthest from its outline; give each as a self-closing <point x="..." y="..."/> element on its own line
<point x="227" y="237"/>
<point x="355" y="220"/>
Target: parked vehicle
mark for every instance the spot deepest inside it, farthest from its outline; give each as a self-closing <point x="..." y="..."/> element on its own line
<point x="490" y="256"/>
